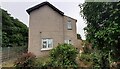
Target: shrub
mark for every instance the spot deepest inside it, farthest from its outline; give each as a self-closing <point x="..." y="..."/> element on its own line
<point x="26" y="60"/>
<point x="85" y="57"/>
<point x="64" y="55"/>
<point x="85" y="60"/>
<point x="42" y="62"/>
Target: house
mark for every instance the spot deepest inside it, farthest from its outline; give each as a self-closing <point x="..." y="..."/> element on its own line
<point x="48" y="27"/>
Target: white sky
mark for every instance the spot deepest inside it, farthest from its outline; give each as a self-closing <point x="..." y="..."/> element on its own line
<point x="70" y="8"/>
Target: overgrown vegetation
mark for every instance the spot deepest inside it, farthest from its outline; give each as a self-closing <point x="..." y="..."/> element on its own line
<point x="86" y="59"/>
<point x="61" y="57"/>
<point x="103" y="30"/>
<point x="64" y="56"/>
<point x="43" y="62"/>
<point x="14" y="32"/>
<point x="14" y="37"/>
<point x="26" y="60"/>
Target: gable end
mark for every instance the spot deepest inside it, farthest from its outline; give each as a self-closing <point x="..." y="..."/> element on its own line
<point x="42" y="4"/>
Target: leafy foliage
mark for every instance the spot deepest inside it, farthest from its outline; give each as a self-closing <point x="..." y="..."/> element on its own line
<point x="86" y="59"/>
<point x="87" y="47"/>
<point x="100" y="60"/>
<point x="14" y="32"/>
<point x="43" y="62"/>
<point x="103" y="27"/>
<point x="64" y="56"/>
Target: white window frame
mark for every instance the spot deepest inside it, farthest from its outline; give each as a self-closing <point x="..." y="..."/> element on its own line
<point x="68" y="41"/>
<point x="69" y="25"/>
<point x="47" y="46"/>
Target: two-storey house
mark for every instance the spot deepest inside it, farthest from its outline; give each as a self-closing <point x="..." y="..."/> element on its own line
<point x="48" y="27"/>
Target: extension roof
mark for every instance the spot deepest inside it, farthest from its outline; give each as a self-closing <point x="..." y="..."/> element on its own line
<point x="43" y="4"/>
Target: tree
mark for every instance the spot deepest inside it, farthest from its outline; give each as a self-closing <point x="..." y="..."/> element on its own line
<point x="14" y="32"/>
<point x="103" y="27"/>
<point x="64" y="56"/>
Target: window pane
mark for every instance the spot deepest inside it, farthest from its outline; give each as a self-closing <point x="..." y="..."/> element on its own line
<point x="66" y="41"/>
<point x="44" y="44"/>
<point x="50" y="43"/>
<point x="69" y="42"/>
<point x="69" y="25"/>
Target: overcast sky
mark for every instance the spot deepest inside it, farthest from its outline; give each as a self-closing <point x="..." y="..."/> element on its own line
<point x="70" y="8"/>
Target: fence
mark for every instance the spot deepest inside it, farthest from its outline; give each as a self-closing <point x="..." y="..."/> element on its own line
<point x="9" y="53"/>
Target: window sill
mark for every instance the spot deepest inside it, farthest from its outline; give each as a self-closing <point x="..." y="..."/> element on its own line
<point x="44" y="49"/>
<point x="69" y="29"/>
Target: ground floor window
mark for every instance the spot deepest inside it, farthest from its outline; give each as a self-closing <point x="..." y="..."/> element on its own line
<point x="47" y="44"/>
<point x="68" y="42"/>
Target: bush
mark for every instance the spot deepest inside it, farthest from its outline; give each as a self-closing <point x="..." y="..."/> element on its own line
<point x="64" y="55"/>
<point x="86" y="59"/>
<point x="42" y="62"/>
<point x="26" y="60"/>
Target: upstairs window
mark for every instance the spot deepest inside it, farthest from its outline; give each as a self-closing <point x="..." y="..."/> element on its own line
<point x="47" y="44"/>
<point x="69" y="25"/>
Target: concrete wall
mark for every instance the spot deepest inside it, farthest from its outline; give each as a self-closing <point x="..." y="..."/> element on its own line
<point x="70" y="34"/>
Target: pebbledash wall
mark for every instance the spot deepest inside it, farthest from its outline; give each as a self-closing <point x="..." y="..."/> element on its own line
<point x="48" y="27"/>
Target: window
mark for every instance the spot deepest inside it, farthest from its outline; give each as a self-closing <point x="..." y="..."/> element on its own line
<point x="68" y="41"/>
<point x="47" y="44"/>
<point x="69" y="25"/>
